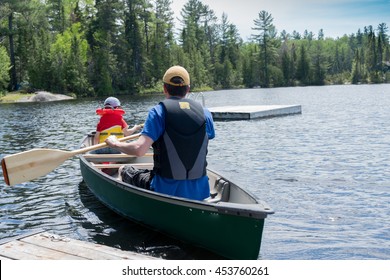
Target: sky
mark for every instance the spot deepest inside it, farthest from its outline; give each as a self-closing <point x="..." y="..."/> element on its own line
<point x="335" y="17"/>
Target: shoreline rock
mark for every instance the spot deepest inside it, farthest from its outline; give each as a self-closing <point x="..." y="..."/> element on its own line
<point x="44" y="96"/>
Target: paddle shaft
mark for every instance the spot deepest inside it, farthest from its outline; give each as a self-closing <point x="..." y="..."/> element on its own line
<point x="103" y="145"/>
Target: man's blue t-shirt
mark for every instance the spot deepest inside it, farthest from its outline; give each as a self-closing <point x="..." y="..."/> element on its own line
<point x="197" y="189"/>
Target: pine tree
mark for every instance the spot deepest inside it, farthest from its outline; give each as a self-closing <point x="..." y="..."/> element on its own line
<point x="102" y="37"/>
<point x="15" y="9"/>
<point x="265" y="39"/>
<point x="163" y="39"/>
<point x="196" y="23"/>
<point x="320" y="66"/>
<point x="303" y="67"/>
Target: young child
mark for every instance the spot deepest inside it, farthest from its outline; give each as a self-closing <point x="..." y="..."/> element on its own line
<point x="112" y="123"/>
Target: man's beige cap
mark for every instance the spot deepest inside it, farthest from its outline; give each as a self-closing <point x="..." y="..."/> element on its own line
<point x="176" y="71"/>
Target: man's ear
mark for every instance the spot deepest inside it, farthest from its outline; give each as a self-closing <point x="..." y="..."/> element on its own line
<point x="166" y="93"/>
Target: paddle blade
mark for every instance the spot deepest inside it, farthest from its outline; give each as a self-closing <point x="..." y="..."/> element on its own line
<point x="29" y="165"/>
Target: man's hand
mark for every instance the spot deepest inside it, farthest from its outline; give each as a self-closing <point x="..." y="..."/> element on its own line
<point x="128" y="131"/>
<point x="138" y="127"/>
<point x="112" y="141"/>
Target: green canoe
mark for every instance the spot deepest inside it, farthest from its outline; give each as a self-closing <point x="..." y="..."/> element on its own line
<point x="229" y="223"/>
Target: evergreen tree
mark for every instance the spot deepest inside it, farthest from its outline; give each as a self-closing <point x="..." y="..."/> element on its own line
<point x="357" y="68"/>
<point x="163" y="39"/>
<point x="194" y="42"/>
<point x="56" y="15"/>
<point x="293" y="62"/>
<point x="320" y="66"/>
<point x="229" y="65"/>
<point x="40" y="63"/>
<point x="296" y="35"/>
<point x="372" y="63"/>
<point x="15" y="11"/>
<point x="265" y="39"/>
<point x="303" y="67"/>
<point x="285" y="63"/>
<point x="383" y="44"/>
<point x="321" y="35"/>
<point x="250" y="76"/>
<point x="102" y="37"/>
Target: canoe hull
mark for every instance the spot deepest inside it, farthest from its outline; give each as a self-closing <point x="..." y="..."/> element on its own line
<point x="198" y="223"/>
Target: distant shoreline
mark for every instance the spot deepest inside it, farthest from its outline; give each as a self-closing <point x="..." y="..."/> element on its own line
<point x="39" y="96"/>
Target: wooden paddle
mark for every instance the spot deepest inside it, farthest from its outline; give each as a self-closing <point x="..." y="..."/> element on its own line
<point x="29" y="165"/>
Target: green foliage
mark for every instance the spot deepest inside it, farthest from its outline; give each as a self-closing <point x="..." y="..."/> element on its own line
<point x="69" y="58"/>
<point x="71" y="41"/>
<point x="106" y="47"/>
<point x="5" y="66"/>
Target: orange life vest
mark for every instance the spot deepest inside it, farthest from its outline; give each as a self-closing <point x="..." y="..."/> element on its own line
<point x="102" y="111"/>
<point x="114" y="130"/>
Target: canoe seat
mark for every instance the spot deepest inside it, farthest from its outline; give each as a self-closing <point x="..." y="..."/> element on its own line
<point x="220" y="191"/>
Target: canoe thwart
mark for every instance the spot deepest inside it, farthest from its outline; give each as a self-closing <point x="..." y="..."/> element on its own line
<point x="115" y="157"/>
<point x="103" y="156"/>
<point x="118" y="165"/>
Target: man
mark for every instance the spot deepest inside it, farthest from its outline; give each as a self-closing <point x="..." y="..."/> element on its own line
<point x="178" y="129"/>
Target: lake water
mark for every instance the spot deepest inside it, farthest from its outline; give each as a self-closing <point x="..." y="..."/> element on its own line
<point x="325" y="172"/>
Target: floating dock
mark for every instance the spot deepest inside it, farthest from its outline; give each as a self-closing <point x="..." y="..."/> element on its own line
<point x="253" y="111"/>
<point x="48" y="246"/>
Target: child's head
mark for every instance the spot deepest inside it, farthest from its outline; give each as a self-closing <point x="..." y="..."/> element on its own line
<point x="112" y="103"/>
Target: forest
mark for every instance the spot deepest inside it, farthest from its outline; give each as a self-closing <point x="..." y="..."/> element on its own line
<point x="103" y="47"/>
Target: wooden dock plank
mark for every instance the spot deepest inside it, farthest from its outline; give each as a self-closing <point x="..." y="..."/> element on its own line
<point x="19" y="250"/>
<point x="80" y="248"/>
<point x="47" y="246"/>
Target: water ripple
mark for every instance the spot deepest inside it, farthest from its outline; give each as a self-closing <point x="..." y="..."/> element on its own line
<point x="324" y="172"/>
